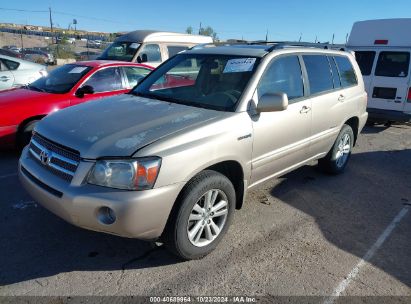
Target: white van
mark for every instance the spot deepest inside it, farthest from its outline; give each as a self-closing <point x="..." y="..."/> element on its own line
<point x="151" y="47"/>
<point x="382" y="49"/>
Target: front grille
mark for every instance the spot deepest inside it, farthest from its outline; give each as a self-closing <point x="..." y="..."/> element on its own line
<point x="59" y="160"/>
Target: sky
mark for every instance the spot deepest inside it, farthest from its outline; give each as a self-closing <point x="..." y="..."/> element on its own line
<point x="250" y="20"/>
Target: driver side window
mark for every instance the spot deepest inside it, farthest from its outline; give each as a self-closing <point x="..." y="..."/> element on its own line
<point x="282" y="75"/>
<point x="106" y="80"/>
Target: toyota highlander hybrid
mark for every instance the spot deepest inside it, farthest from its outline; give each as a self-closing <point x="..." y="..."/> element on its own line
<point x="174" y="162"/>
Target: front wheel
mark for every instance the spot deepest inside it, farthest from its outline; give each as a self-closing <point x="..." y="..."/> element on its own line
<point x="202" y="216"/>
<point x="24" y="136"/>
<point x="337" y="158"/>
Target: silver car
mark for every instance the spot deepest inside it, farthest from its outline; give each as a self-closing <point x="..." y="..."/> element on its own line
<point x="16" y="72"/>
<point x="175" y="157"/>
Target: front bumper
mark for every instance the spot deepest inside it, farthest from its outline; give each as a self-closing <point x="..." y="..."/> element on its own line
<point x="139" y="214"/>
<point x="388" y="115"/>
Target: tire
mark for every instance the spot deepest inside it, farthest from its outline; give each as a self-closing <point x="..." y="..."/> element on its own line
<point x="24" y="135"/>
<point x="176" y="236"/>
<point x="337" y="158"/>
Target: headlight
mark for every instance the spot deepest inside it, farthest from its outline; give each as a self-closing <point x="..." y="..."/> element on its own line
<point x="133" y="174"/>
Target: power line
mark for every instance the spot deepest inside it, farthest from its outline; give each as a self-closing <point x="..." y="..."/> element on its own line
<point x="21" y="10"/>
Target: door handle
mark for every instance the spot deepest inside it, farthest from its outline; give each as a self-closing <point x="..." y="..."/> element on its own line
<point x="305" y="109"/>
<point x="341" y="98"/>
<point x="4" y="78"/>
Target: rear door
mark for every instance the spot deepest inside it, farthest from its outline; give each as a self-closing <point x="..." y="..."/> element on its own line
<point x="388" y="88"/>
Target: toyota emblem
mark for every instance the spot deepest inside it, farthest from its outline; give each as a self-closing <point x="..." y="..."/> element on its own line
<point x="45" y="156"/>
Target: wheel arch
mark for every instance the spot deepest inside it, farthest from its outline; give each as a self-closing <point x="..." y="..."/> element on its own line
<point x="354" y="123"/>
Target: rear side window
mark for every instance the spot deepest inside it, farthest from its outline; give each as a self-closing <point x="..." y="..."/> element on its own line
<point x="10" y="65"/>
<point x="319" y="73"/>
<point x="365" y="60"/>
<point x="134" y="74"/>
<point x="106" y="80"/>
<point x="336" y="74"/>
<point x="347" y="73"/>
<point x="283" y="75"/>
<point x="175" y="49"/>
<point x="393" y="64"/>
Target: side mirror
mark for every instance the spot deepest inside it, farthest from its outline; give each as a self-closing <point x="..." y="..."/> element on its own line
<point x="144" y="58"/>
<point x="272" y="102"/>
<point x="87" y="89"/>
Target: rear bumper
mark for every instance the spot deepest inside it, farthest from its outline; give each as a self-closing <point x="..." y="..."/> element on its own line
<point x="139" y="214"/>
<point x="7" y="136"/>
<point x="384" y="115"/>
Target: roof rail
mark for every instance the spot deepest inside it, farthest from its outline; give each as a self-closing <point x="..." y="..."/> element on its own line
<point x="275" y="45"/>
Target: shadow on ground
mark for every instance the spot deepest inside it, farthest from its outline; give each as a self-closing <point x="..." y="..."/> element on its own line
<point x="374" y="188"/>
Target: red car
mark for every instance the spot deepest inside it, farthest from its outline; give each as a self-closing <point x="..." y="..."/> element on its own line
<point x="64" y="86"/>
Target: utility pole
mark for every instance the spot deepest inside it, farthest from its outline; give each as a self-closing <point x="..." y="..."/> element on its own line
<point x="333" y="39"/>
<point x="346" y="38"/>
<point x="21" y="38"/>
<point x="51" y="26"/>
<point x="301" y="35"/>
<point x="199" y="29"/>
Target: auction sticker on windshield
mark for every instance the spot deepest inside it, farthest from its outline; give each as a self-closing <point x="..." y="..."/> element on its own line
<point x="239" y="65"/>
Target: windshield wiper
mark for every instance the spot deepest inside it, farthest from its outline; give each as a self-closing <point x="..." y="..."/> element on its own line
<point x="34" y="88"/>
<point x="172" y="100"/>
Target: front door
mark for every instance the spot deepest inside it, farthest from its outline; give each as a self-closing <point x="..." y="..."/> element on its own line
<point x="281" y="139"/>
<point x="105" y="82"/>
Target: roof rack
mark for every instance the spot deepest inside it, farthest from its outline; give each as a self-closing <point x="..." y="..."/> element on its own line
<point x="275" y="45"/>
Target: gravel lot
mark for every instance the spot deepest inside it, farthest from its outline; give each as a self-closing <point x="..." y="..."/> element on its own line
<point x="305" y="234"/>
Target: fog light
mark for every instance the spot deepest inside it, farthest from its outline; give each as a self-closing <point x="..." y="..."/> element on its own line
<point x="106" y="215"/>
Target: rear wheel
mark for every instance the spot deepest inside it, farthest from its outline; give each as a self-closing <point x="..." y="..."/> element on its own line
<point x="337" y="158"/>
<point x="202" y="216"/>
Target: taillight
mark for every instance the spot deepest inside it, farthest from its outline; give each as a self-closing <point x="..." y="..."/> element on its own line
<point x="409" y="95"/>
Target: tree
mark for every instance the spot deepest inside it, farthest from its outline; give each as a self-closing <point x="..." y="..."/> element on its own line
<point x="205" y="31"/>
<point x="208" y="31"/>
<point x="189" y="30"/>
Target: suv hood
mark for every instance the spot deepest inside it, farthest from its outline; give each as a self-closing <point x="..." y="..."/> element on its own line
<point x="119" y="125"/>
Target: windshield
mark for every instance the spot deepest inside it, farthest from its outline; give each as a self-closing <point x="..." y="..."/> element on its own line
<point x="60" y="80"/>
<point x="207" y="81"/>
<point x="123" y="51"/>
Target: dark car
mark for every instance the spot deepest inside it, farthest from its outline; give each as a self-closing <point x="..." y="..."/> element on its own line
<point x="10" y="53"/>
